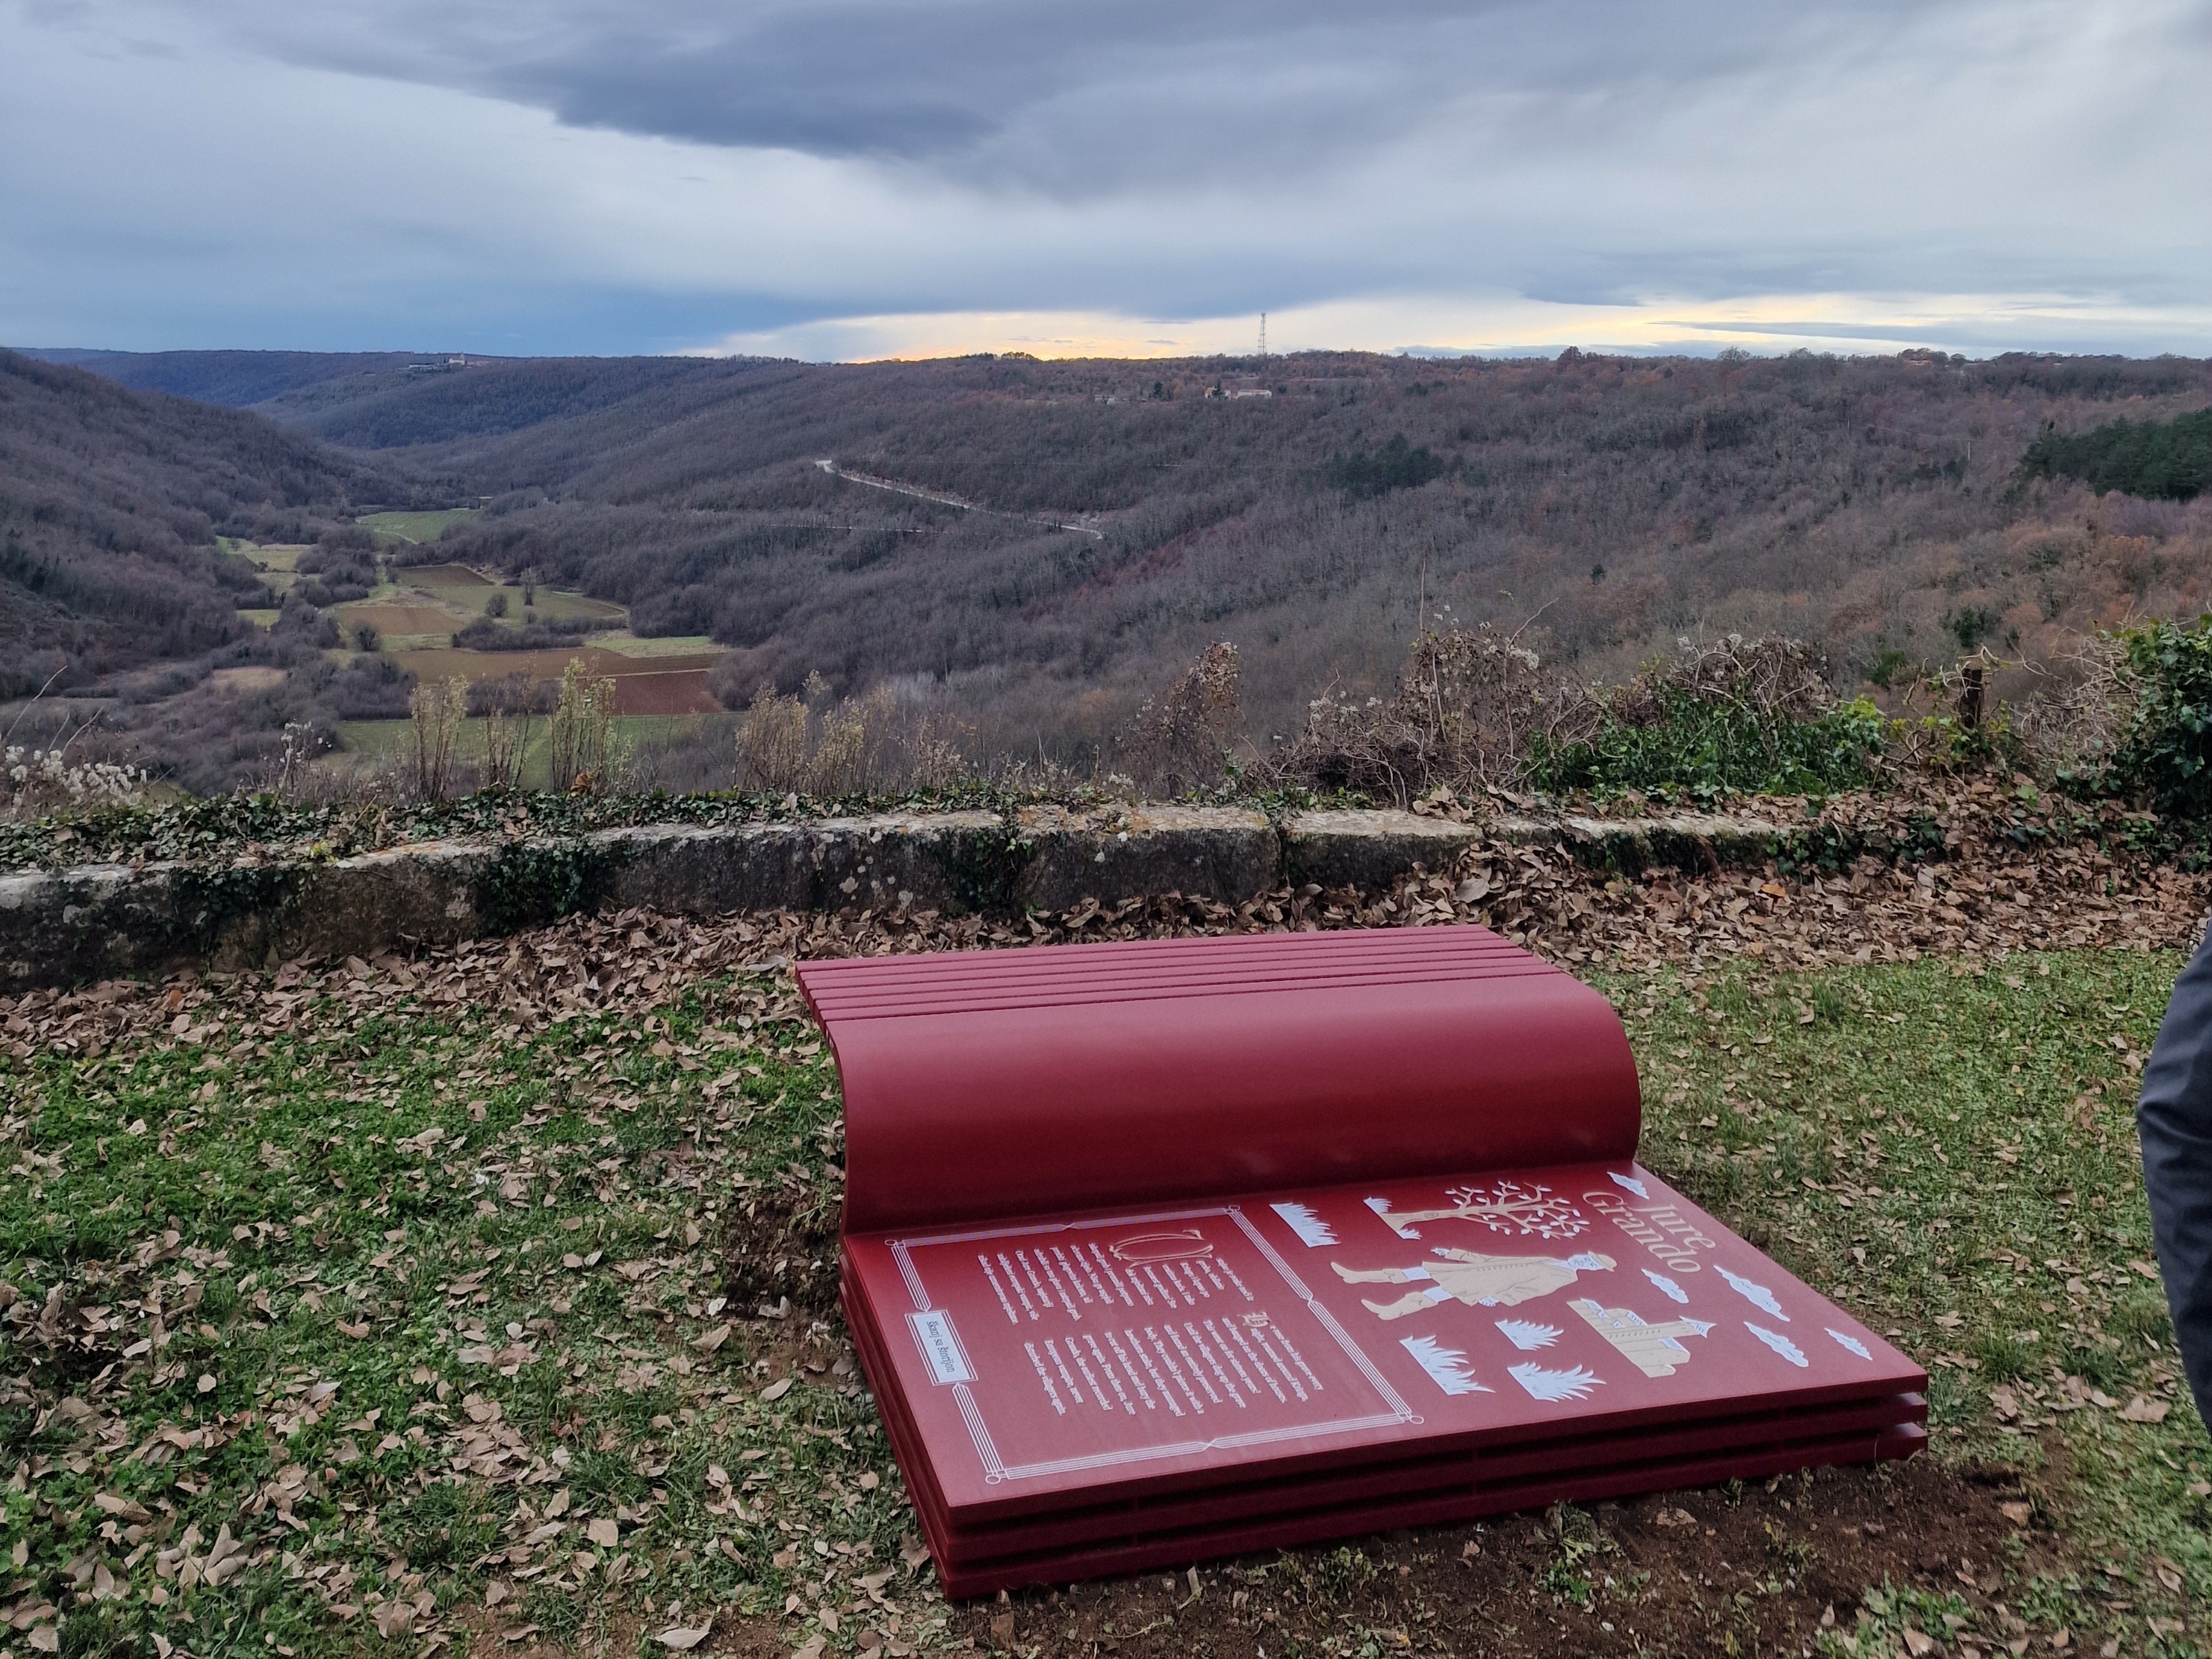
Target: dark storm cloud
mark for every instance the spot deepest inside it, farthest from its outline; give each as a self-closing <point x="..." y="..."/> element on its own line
<point x="1069" y="99"/>
<point x="2013" y="170"/>
<point x="865" y="77"/>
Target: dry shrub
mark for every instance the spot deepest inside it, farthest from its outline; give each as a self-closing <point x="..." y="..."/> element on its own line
<point x="2071" y="720"/>
<point x="1716" y="719"/>
<point x="1469" y="707"/>
<point x="936" y="753"/>
<point x="1476" y="711"/>
<point x="805" y="744"/>
<point x="772" y="745"/>
<point x="434" y="713"/>
<point x="1765" y="681"/>
<point x="511" y="708"/>
<point x="36" y="782"/>
<point x="2059" y="718"/>
<point x="289" y="771"/>
<point x="509" y="722"/>
<point x="583" y="754"/>
<point x="849" y="749"/>
<point x="1183" y="738"/>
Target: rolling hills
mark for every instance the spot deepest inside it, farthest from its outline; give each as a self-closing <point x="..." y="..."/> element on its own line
<point x="1608" y="505"/>
<point x="111" y="506"/>
<point x="1316" y="510"/>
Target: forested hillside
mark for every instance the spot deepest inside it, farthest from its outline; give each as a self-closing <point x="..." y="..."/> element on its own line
<point x="1876" y="506"/>
<point x="2158" y="461"/>
<point x="110" y="504"/>
<point x="234" y="378"/>
<point x="1315" y="510"/>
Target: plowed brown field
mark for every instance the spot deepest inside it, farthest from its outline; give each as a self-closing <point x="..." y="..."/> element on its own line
<point x="447" y="663"/>
<point x="396" y="618"/>
<point x="681" y="692"/>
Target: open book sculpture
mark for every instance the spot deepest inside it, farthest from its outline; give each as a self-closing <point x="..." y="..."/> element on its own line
<point x="1160" y="1250"/>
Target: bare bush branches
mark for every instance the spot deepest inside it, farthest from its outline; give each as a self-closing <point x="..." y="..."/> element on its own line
<point x="1476" y="711"/>
<point x="804" y="744"/>
<point x="583" y="753"/>
<point x="1468" y="707"/>
<point x="434" y="714"/>
<point x="1765" y="679"/>
<point x="2072" y="718"/>
<point x="1183" y="738"/>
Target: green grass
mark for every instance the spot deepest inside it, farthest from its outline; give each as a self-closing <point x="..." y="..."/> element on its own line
<point x="559" y="604"/>
<point x="1924" y="1148"/>
<point x="355" y="1223"/>
<point x="281" y="557"/>
<point x="416" y="526"/>
<point x="675" y="645"/>
<point x="370" y="1196"/>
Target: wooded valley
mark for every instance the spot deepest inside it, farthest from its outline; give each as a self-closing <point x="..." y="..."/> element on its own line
<point x="1317" y="511"/>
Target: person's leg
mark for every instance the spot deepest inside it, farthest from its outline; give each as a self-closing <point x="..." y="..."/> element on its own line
<point x="1412" y="1303"/>
<point x="2174" y="1121"/>
<point x="1380" y="1275"/>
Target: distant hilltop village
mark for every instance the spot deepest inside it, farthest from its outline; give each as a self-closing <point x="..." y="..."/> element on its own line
<point x="1228" y="385"/>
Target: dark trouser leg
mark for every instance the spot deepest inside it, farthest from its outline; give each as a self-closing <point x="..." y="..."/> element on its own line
<point x="2174" y="1121"/>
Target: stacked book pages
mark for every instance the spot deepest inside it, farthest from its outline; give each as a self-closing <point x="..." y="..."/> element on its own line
<point x="1176" y="1248"/>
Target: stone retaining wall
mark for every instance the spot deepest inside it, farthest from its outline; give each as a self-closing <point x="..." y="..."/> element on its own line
<point x="99" y="921"/>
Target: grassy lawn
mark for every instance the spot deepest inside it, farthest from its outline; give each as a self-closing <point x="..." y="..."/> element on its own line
<point x="1948" y="1148"/>
<point x="559" y="604"/>
<point x="676" y="645"/>
<point x="281" y="557"/>
<point x="340" y="1309"/>
<point x="416" y="526"/>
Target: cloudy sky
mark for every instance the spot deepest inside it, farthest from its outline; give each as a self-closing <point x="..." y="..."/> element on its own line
<point x="870" y="177"/>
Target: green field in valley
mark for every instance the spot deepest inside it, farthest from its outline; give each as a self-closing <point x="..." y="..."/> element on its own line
<point x="416" y="526"/>
<point x="414" y="611"/>
<point x="392" y="739"/>
<point x="644" y="650"/>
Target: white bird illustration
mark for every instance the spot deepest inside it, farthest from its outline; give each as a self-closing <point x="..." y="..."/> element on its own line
<point x="1757" y="1295"/>
<point x="1780" y="1344"/>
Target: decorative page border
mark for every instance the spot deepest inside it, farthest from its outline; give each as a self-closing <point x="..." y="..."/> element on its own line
<point x="996" y="1470"/>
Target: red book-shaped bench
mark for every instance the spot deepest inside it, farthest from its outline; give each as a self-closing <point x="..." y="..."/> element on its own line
<point x="1160" y="1250"/>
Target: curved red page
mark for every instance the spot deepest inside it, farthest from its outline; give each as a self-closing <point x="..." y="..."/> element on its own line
<point x="1002" y="1082"/>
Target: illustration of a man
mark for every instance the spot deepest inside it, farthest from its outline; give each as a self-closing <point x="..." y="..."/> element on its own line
<point x="1478" y="1280"/>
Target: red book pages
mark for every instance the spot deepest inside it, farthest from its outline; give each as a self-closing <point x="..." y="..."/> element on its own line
<point x="1219" y="1362"/>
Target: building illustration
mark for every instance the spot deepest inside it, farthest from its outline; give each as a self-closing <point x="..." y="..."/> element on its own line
<point x="1655" y="1349"/>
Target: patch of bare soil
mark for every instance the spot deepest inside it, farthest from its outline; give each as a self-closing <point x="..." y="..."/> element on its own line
<point x="1740" y="1569"/>
<point x="1744" y="1570"/>
<point x="780" y="1254"/>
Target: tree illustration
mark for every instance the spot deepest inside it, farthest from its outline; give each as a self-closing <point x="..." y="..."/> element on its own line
<point x="1509" y="1206"/>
